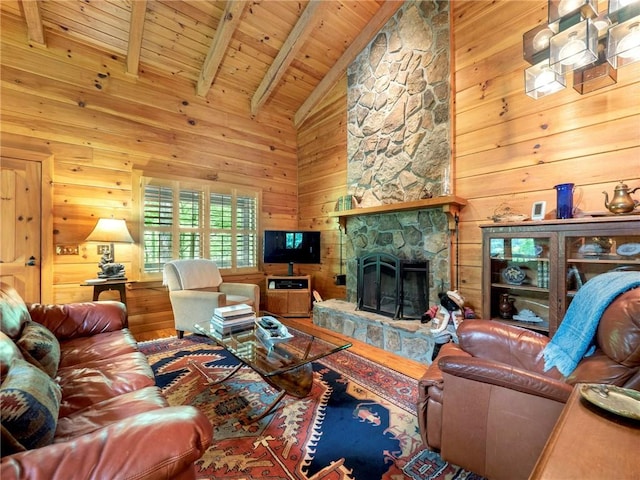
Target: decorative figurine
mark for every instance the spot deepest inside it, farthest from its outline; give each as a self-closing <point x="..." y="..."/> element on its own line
<point x="109" y="269"/>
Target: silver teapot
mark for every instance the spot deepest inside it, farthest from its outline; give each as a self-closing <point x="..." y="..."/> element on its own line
<point x="621" y="201"/>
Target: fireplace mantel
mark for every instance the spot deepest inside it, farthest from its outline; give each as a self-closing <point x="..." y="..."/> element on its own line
<point x="451" y="205"/>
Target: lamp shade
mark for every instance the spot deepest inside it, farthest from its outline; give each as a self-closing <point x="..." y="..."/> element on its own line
<point x="110" y="230"/>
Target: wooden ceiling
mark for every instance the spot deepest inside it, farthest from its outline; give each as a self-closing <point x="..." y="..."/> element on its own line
<point x="284" y="53"/>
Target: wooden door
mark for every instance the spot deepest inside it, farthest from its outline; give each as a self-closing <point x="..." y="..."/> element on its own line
<point x="20" y="204"/>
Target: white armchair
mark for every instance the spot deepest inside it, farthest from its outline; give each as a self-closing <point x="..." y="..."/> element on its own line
<point x="196" y="288"/>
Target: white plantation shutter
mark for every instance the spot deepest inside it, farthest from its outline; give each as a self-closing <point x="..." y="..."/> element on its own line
<point x="191" y="223"/>
<point x="221" y="222"/>
<point x="158" y="220"/>
<point x="246" y="231"/>
<point x="179" y="216"/>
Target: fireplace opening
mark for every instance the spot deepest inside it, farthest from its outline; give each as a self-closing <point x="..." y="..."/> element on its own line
<point x="393" y="287"/>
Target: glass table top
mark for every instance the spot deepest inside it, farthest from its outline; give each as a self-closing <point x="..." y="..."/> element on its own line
<point x="273" y="358"/>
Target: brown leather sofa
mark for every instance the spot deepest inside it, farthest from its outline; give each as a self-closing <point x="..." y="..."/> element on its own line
<point x="112" y="421"/>
<point x="486" y="404"/>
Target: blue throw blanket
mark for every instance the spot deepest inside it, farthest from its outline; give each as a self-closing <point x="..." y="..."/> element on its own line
<point x="575" y="334"/>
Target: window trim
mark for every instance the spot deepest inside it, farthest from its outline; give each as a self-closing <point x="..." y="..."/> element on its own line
<point x="178" y="183"/>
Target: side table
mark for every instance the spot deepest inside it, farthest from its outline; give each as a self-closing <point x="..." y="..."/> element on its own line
<point x="589" y="443"/>
<point x="98" y="288"/>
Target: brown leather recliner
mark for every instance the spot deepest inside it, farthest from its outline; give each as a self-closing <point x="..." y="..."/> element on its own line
<point x="486" y="404"/>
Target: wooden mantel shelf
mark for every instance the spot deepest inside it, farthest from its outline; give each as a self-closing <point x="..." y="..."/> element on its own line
<point x="451" y="205"/>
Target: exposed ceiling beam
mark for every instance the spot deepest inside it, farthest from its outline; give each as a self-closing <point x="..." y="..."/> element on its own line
<point x="285" y="56"/>
<point x="35" y="30"/>
<point x="382" y="16"/>
<point x="136" y="27"/>
<point x="228" y="23"/>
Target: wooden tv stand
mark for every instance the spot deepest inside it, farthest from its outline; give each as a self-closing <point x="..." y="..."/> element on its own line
<point x="289" y="296"/>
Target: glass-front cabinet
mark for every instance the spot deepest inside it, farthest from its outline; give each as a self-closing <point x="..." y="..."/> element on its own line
<point x="532" y="270"/>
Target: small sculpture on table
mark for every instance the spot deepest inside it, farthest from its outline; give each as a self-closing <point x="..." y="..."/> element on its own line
<point x="110" y="270"/>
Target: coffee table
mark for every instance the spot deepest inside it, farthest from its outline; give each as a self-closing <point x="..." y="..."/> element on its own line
<point x="285" y="366"/>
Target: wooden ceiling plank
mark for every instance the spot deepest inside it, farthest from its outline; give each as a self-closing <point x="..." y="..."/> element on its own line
<point x="32" y="15"/>
<point x="178" y="25"/>
<point x="99" y="36"/>
<point x="285" y="56"/>
<point x="86" y="15"/>
<point x="138" y="12"/>
<point x="382" y="16"/>
<point x="228" y="23"/>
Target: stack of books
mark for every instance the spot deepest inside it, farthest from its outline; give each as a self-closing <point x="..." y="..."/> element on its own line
<point x="231" y="319"/>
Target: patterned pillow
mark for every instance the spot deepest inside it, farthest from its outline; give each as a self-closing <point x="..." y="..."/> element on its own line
<point x="29" y="404"/>
<point x="40" y="347"/>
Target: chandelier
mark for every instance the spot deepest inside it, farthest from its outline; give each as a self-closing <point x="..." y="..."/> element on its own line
<point x="578" y="41"/>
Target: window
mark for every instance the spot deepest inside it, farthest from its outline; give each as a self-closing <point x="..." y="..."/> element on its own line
<point x="181" y="219"/>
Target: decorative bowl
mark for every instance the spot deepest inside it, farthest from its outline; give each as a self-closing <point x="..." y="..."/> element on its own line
<point x="628" y="249"/>
<point x="513" y="275"/>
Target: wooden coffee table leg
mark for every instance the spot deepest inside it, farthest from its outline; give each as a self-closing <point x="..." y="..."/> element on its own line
<point x="254" y="418"/>
<point x="200" y="369"/>
<point x="297" y="383"/>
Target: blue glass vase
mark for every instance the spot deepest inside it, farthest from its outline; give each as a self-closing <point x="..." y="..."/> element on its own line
<point x="564" y="203"/>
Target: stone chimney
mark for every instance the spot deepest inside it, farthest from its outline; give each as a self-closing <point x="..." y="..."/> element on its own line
<point x="398" y="140"/>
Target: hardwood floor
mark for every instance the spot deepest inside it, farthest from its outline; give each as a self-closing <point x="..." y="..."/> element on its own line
<point x="400" y="364"/>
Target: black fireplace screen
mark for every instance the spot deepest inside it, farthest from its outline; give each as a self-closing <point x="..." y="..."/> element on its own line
<point x="392" y="287"/>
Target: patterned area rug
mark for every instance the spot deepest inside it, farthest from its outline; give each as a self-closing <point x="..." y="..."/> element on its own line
<point x="358" y="422"/>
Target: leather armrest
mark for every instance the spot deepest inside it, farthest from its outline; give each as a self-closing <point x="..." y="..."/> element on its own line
<point x="84" y="319"/>
<point x="430" y="394"/>
<point x="507" y="376"/>
<point x="159" y="444"/>
<point x="507" y="344"/>
<point x="433" y="375"/>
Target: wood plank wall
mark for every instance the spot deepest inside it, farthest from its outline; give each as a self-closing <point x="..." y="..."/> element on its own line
<point x="508" y="148"/>
<point x="512" y="149"/>
<point x="322" y="176"/>
<point x="100" y="124"/>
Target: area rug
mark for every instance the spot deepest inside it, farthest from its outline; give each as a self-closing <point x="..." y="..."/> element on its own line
<point x="358" y="422"/>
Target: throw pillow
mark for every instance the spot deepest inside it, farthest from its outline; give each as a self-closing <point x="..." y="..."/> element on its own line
<point x="8" y="351"/>
<point x="29" y="405"/>
<point x="40" y="347"/>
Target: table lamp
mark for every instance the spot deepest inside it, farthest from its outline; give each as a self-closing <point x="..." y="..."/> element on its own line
<point x="110" y="230"/>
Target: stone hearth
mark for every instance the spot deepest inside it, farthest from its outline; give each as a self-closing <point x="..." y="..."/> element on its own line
<point x="408" y="338"/>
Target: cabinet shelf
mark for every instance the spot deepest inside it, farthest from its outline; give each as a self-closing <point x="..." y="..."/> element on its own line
<point x="519" y="287"/>
<point x="521" y="259"/>
<point x="620" y="261"/>
<point x="553" y="278"/>
<point x="539" y="327"/>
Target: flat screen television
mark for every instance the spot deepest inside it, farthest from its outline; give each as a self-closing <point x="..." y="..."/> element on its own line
<point x="291" y="246"/>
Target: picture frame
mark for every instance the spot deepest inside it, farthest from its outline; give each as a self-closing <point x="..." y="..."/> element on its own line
<point x="538" y="210"/>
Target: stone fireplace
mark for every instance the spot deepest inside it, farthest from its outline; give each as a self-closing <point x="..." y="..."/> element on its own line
<point x="398" y="142"/>
<point x="398" y="153"/>
<point x="419" y="236"/>
<point x="393" y="287"/>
